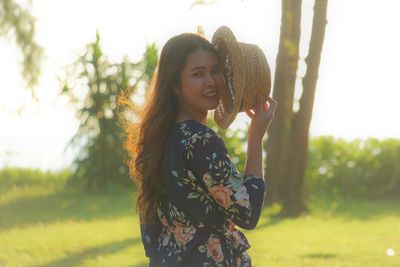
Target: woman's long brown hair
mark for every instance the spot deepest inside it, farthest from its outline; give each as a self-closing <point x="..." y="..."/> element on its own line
<point x="146" y="141"/>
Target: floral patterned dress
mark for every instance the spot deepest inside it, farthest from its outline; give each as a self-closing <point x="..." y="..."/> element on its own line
<point x="206" y="197"/>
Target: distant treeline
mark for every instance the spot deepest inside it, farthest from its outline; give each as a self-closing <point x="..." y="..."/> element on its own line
<point x="359" y="168"/>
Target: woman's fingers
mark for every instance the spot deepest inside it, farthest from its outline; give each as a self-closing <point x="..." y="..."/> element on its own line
<point x="259" y="106"/>
<point x="266" y="106"/>
<point x="272" y="104"/>
<point x="249" y="113"/>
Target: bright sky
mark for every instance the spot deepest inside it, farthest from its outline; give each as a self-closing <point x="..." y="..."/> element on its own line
<point x="357" y="92"/>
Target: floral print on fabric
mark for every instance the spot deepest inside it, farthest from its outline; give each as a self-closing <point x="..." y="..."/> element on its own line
<point x="213" y="249"/>
<point x="208" y="158"/>
<point x="206" y="198"/>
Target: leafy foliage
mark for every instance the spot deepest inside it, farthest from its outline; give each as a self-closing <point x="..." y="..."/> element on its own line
<point x="18" y="23"/>
<point x="93" y="85"/>
<point x="12" y="177"/>
<point x="235" y="141"/>
<point x="365" y="168"/>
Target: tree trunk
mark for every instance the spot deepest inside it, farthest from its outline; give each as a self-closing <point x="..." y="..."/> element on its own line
<point x="294" y="203"/>
<point x="283" y="92"/>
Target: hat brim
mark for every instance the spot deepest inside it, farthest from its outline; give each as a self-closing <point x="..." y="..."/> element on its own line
<point x="247" y="75"/>
<point x="229" y="55"/>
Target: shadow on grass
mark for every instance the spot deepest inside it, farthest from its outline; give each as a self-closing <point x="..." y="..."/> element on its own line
<point x="77" y="258"/>
<point x="337" y="207"/>
<point x="354" y="208"/>
<point x="77" y="205"/>
<point x="65" y="205"/>
<point x="270" y="221"/>
<point x="321" y="256"/>
<point x="140" y="264"/>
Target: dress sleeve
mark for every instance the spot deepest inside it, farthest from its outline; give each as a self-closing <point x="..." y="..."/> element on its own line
<point x="150" y="234"/>
<point x="240" y="196"/>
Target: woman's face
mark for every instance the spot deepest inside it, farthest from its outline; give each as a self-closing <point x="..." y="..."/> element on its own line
<point x="201" y="82"/>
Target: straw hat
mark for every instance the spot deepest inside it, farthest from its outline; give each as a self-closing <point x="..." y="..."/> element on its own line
<point x="247" y="74"/>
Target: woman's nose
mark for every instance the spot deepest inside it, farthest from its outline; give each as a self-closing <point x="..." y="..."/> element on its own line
<point x="210" y="80"/>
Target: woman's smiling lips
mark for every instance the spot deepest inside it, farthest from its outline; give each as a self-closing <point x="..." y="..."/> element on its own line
<point x="210" y="94"/>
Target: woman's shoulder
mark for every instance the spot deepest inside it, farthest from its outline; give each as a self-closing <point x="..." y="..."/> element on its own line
<point x="191" y="127"/>
<point x="195" y="135"/>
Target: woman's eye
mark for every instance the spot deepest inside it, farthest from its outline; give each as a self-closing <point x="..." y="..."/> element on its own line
<point x="197" y="74"/>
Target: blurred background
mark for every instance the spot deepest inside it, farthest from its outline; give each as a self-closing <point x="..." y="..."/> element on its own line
<point x="332" y="154"/>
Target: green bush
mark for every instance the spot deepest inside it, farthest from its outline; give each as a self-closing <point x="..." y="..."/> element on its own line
<point x="360" y="168"/>
<point x="18" y="177"/>
<point x="235" y="142"/>
<point x="366" y="168"/>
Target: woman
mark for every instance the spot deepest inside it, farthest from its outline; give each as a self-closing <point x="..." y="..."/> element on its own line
<point x="191" y="196"/>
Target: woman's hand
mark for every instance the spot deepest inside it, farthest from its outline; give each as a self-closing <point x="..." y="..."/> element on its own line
<point x="261" y="116"/>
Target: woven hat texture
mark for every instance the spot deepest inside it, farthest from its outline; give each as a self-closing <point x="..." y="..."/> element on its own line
<point x="247" y="74"/>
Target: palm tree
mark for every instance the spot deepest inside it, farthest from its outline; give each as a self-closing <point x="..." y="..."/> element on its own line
<point x="18" y="24"/>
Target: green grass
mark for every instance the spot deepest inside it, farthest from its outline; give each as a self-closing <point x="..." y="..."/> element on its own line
<point x="43" y="225"/>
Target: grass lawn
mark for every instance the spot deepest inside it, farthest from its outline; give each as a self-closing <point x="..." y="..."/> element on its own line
<point x="42" y="225"/>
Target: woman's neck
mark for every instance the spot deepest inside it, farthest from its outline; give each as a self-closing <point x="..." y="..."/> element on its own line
<point x="202" y="118"/>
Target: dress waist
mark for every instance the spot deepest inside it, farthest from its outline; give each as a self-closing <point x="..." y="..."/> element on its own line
<point x="234" y="237"/>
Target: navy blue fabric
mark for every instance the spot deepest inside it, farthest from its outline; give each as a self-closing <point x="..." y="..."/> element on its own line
<point x="206" y="198"/>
